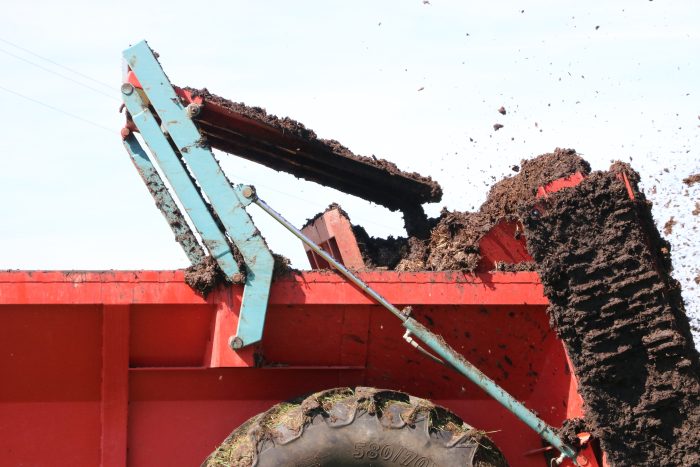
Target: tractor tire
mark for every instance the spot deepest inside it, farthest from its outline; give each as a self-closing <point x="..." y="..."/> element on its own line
<point x="351" y="427"/>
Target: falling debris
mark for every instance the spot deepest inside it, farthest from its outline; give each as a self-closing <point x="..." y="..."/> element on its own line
<point x="668" y="226"/>
<point x="692" y="180"/>
<point x="502" y="110"/>
<point x="497" y="126"/>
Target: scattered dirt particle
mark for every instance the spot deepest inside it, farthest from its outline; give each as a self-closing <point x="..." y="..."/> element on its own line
<point x="497" y="126"/>
<point x="692" y="180"/>
<point x="502" y="110"/>
<point x="668" y="226"/>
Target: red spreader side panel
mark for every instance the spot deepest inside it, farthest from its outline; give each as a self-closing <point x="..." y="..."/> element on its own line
<point x="120" y="368"/>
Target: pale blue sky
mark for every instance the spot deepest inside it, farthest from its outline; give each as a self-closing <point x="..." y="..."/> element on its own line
<point x="351" y="71"/>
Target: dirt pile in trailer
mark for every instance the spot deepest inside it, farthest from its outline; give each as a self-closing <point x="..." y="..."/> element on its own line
<point x="607" y="274"/>
<point x="453" y="242"/>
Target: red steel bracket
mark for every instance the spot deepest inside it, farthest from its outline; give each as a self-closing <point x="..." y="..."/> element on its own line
<point x="332" y="232"/>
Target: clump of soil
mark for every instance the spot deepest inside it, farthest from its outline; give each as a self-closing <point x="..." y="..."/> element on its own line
<point x="692" y="180"/>
<point x="207" y="275"/>
<point x="453" y="243"/>
<point x="416" y="256"/>
<point x="380" y="253"/>
<point x="508" y="195"/>
<point x="283" y="266"/>
<point x="286" y="124"/>
<point x="606" y="272"/>
<point x="330" y="207"/>
<point x="668" y="226"/>
<point x="204" y="276"/>
<point x="570" y="429"/>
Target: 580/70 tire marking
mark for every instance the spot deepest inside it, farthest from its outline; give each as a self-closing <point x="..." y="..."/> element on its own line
<point x="400" y="456"/>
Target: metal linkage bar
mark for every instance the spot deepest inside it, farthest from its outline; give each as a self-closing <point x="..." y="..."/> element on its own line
<point x="451" y="357"/>
<point x="227" y="201"/>
<point x="179" y="179"/>
<point x="164" y="201"/>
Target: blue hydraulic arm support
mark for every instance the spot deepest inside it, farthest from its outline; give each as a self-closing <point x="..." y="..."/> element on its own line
<point x="164" y="201"/>
<point x="179" y="179"/>
<point x="227" y="201"/>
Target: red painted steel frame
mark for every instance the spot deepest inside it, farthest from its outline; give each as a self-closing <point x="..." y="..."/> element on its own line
<point x="332" y="231"/>
<point x="108" y="368"/>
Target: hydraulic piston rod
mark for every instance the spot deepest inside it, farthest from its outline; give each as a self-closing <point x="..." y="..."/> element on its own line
<point x="447" y="353"/>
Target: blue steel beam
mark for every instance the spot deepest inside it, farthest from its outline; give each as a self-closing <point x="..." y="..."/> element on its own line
<point x="179" y="179"/>
<point x="227" y="201"/>
<point x="164" y="201"/>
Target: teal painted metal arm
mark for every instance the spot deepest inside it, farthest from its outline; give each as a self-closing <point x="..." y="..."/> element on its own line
<point x="186" y="159"/>
<point x="176" y="173"/>
<point x="164" y="200"/>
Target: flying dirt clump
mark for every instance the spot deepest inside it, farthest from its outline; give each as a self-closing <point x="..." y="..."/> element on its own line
<point x="692" y="179"/>
<point x="668" y="226"/>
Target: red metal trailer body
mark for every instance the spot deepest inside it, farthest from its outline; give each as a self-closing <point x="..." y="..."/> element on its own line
<point x="119" y="367"/>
